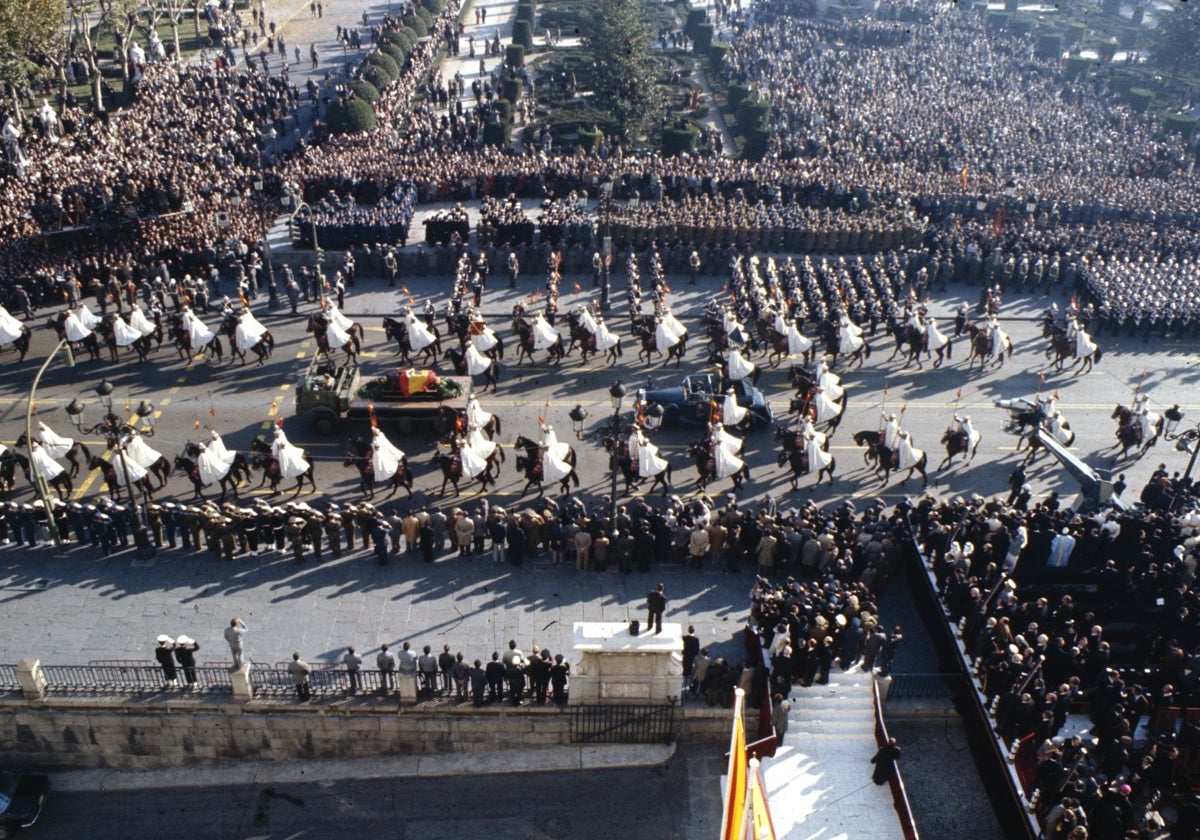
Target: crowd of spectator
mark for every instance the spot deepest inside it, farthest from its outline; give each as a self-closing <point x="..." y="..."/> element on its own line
<point x="1118" y="654"/>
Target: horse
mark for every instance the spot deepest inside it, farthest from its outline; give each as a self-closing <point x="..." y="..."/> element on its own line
<point x="523" y="331"/>
<point x="957" y="443"/>
<point x="531" y="468"/>
<point x="318" y="326"/>
<point x="397" y="331"/>
<point x="20" y="343"/>
<point x="183" y="341"/>
<point x="1063" y="348"/>
<point x="491" y="428"/>
<point x="910" y="341"/>
<point x="706" y="467"/>
<point x="629" y="470"/>
<point x="981" y="348"/>
<point x="587" y="342"/>
<point x="1129" y="432"/>
<point x="61" y="483"/>
<point x="532" y="449"/>
<point x="883" y="457"/>
<point x="107" y="330"/>
<point x="366" y="475"/>
<point x="869" y="439"/>
<point x="90" y="342"/>
<point x="458" y="358"/>
<point x="261" y="349"/>
<point x="263" y="459"/>
<point x="797" y="459"/>
<point x="778" y="348"/>
<point x="461" y="327"/>
<point x="78" y="448"/>
<point x="833" y="345"/>
<point x="649" y="340"/>
<point x="239" y="471"/>
<point x="799" y="405"/>
<point x="111" y="479"/>
<point x="8" y="469"/>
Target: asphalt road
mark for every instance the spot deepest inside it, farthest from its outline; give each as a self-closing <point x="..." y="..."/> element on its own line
<point x="677" y="801"/>
<point x="242" y="402"/>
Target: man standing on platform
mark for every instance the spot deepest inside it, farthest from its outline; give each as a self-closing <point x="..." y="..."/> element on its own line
<point x="656" y="605"/>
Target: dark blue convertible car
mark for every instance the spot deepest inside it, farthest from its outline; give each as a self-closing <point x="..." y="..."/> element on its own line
<point x="690" y="404"/>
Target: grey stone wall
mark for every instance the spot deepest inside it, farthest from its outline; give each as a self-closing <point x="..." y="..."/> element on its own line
<point x="132" y="734"/>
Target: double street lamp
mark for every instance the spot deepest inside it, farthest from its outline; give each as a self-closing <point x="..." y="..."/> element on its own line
<point x="272" y="292"/>
<point x="1186" y="441"/>
<point x="118" y="434"/>
<point x="611" y="438"/>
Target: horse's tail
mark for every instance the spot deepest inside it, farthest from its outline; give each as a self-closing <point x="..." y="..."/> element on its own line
<point x="949" y="348"/>
<point x="1010" y="348"/>
<point x="87" y="456"/>
<point x="498" y="424"/>
<point x="357" y="343"/>
<point x="574" y="476"/>
<point x="620" y="351"/>
<point x="866" y="350"/>
<point x="1099" y="355"/>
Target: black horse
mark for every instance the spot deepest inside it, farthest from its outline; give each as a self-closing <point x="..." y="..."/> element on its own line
<point x="360" y="458"/>
<point x="90" y="342"/>
<point x="397" y="331"/>
<point x="78" y="448"/>
<point x="458" y="358"/>
<point x="263" y="459"/>
<point x="318" y="326"/>
<point x="112" y="478"/>
<point x="10" y="459"/>
<point x="531" y="468"/>
<point x="630" y="473"/>
<point x="262" y="348"/>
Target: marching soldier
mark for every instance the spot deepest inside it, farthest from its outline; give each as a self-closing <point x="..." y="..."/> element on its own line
<point x="333" y="531"/>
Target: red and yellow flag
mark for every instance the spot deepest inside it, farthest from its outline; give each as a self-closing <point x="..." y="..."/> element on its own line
<point x="735" y="788"/>
<point x="761" y="826"/>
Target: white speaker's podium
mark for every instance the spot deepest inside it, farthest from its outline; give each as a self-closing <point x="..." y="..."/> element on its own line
<point x="616" y="667"/>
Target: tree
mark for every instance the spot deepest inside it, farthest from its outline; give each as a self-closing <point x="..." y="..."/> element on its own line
<point x="1177" y="37"/>
<point x="29" y="32"/>
<point x="625" y="73"/>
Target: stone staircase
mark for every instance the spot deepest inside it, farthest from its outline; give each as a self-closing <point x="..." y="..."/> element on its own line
<point x="819" y="782"/>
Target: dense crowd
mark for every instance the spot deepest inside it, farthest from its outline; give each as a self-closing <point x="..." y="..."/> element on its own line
<point x="1122" y="651"/>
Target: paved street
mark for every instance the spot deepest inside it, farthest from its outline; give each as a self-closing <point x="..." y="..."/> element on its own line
<point x="79" y="608"/>
<point x="677" y="800"/>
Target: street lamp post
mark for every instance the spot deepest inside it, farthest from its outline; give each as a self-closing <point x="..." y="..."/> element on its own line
<point x="118" y="434"/>
<point x="39" y="481"/>
<point x="617" y="395"/>
<point x="272" y="292"/>
<point x="303" y="205"/>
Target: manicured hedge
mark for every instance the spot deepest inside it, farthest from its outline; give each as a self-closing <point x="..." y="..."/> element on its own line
<point x="399" y="38"/>
<point x="737" y="93"/>
<point x="1184" y="124"/>
<point x="1076" y="68"/>
<point x="496" y="134"/>
<point x="525" y="12"/>
<point x="504" y="109"/>
<point x="510" y="88"/>
<point x="353" y="116"/>
<point x="1139" y="99"/>
<point x="756" y="144"/>
<point x="752" y="114"/>
<point x="365" y="90"/>
<point x="702" y="40"/>
<point x="1050" y="45"/>
<point x="523" y="34"/>
<point x="676" y="141"/>
<point x="695" y="17"/>
<point x="590" y="140"/>
<point x="396" y="54"/>
<point x="384" y="62"/>
<point x="514" y="56"/>
<point x="716" y="57"/>
<point x="377" y="76"/>
<point x="416" y="25"/>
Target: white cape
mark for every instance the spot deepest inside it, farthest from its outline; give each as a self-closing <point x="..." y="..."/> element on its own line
<point x="818" y="458"/>
<point x="10" y="327"/>
<point x="140" y="452"/>
<point x="211" y="466"/>
<point x="47" y="467"/>
<point x="217" y="447"/>
<point x="908" y="455"/>
<point x="139" y="321"/>
<point x="385" y="457"/>
<point x="249" y="331"/>
<point x="476" y="416"/>
<point x="477" y="363"/>
<point x="291" y="458"/>
<point x="739" y="366"/>
<point x="335" y="336"/>
<point x="74" y="329"/>
<point x="54" y="445"/>
<point x="544" y="335"/>
<point x="335" y="316"/>
<point x="554" y="469"/>
<point x="419" y="334"/>
<point x="849" y="337"/>
<point x="128" y="470"/>
<point x="483" y="338"/>
<point x="198" y="332"/>
<point x="731" y="412"/>
<point x="125" y="334"/>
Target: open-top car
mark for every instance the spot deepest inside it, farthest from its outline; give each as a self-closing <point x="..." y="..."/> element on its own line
<point x="690" y="403"/>
<point x="21" y="798"/>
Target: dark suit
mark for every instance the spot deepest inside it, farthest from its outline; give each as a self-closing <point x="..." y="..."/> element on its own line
<point x="656" y="605"/>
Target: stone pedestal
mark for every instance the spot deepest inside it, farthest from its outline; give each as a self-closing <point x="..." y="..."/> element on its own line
<point x="615" y="667"/>
<point x="29" y="675"/>
<point x="239" y="679"/>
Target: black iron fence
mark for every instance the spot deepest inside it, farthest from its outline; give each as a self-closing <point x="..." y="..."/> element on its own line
<point x="8" y="678"/>
<point x="622" y="724"/>
<point x="135" y="677"/>
<point x="925" y="686"/>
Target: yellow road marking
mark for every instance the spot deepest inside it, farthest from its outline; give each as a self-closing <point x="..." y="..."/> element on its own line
<point x="285" y="386"/>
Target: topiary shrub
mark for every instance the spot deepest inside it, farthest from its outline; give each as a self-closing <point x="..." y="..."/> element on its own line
<point x="399" y="38"/>
<point x="396" y="54"/>
<point x="384" y="62"/>
<point x="365" y="90"/>
<point x="738" y="93"/>
<point x="510" y="88"/>
<point x="702" y="41"/>
<point x="353" y="116"/>
<point x="514" y="57"/>
<point x="590" y="140"/>
<point x="496" y="134"/>
<point x="424" y="16"/>
<point x="523" y="34"/>
<point x="997" y="20"/>
<point x="415" y="24"/>
<point x="1076" y="68"/>
<point x="1184" y="124"/>
<point x="525" y="12"/>
<point x="757" y="142"/>
<point x="1050" y="45"/>
<point x="695" y="17"/>
<point x="504" y="110"/>
<point x="677" y="141"/>
<point x="435" y="7"/>
<point x="377" y="76"/>
<point x="1075" y="32"/>
<point x="413" y="35"/>
<point x="1139" y="99"/>
<point x="716" y="57"/>
<point x="752" y="114"/>
<point x="1020" y="25"/>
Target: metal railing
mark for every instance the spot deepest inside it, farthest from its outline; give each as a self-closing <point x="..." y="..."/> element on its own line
<point x="129" y="676"/>
<point x="925" y="686"/>
<point x="8" y="678"/>
<point x="621" y="724"/>
<point x="908" y="824"/>
<point x="326" y="678"/>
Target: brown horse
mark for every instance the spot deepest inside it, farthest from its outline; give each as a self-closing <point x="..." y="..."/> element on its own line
<point x="706" y="468"/>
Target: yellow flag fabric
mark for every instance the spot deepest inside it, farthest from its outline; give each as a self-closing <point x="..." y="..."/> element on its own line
<point x="735" y="792"/>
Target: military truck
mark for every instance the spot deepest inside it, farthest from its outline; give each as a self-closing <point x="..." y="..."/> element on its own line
<point x="412" y="399"/>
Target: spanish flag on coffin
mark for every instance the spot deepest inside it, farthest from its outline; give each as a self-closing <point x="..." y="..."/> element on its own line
<point x="416" y="381"/>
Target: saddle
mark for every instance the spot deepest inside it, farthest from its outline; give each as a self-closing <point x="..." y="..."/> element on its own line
<point x="798" y="443"/>
<point x="895" y="459"/>
<point x="710" y="466"/>
<point x="536" y="471"/>
<point x="964" y="439"/>
<point x="456" y="467"/>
